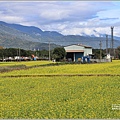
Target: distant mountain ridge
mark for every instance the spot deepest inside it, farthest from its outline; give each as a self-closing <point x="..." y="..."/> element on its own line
<point x="31" y="29"/>
<point x="30" y="37"/>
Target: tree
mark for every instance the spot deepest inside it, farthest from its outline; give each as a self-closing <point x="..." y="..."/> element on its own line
<point x="118" y="52"/>
<point x="59" y="53"/>
<point x="96" y="53"/>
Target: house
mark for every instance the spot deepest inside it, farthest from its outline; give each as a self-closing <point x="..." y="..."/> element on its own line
<point x="75" y="52"/>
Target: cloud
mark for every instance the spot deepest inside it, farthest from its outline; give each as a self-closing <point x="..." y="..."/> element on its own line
<point x="67" y="17"/>
<point x="109" y="19"/>
<point x="51" y="11"/>
<point x="10" y="19"/>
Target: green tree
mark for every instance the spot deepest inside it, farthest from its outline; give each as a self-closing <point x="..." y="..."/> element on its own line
<point x="44" y="53"/>
<point x="118" y="52"/>
<point x="96" y="53"/>
<point x="59" y="53"/>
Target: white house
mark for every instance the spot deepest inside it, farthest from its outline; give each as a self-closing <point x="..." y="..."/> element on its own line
<point x="77" y="51"/>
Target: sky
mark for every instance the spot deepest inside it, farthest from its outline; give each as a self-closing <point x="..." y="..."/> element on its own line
<point x="65" y="17"/>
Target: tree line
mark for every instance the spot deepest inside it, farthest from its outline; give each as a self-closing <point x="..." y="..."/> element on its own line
<point x="57" y="53"/>
<point x="96" y="53"/>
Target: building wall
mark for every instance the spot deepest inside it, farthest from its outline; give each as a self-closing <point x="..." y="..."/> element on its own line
<point x="77" y="51"/>
<point x="87" y="51"/>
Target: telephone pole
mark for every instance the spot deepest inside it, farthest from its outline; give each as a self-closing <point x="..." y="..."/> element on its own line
<point x="19" y="53"/>
<point x="100" y="51"/>
<point x="112" y="42"/>
<point x="49" y="50"/>
<point x="106" y="44"/>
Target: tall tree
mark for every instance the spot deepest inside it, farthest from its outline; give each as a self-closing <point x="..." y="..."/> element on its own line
<point x="59" y="53"/>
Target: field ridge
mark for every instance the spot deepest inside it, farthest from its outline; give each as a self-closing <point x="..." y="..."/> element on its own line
<point x="52" y="75"/>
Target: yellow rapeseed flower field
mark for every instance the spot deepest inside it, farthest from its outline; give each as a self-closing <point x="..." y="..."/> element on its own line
<point x="51" y="97"/>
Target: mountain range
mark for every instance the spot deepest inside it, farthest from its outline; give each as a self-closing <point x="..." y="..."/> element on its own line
<point x="31" y="37"/>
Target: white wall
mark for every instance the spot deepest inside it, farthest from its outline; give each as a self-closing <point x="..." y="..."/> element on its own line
<point x="87" y="51"/>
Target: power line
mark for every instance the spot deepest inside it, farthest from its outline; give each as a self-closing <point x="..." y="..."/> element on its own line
<point x="76" y="40"/>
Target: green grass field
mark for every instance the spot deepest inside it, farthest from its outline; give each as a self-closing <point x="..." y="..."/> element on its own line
<point x="60" y="96"/>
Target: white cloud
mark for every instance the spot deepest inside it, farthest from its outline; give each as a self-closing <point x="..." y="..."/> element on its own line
<point x="54" y="15"/>
<point x="67" y="17"/>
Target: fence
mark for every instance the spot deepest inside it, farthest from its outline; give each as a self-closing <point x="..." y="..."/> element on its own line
<point x="100" y="60"/>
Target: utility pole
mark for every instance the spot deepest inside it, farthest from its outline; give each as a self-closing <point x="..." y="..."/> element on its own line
<point x="106" y="44"/>
<point x="38" y="53"/>
<point x="49" y="50"/>
<point x="19" y="54"/>
<point x="100" y="51"/>
<point x="112" y="42"/>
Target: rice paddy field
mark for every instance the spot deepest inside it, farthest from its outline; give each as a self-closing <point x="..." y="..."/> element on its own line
<point x="69" y="91"/>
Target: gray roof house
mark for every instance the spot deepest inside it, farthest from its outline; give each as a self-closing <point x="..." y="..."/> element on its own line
<point x="74" y="52"/>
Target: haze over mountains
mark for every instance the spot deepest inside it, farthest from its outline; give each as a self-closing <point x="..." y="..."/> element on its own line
<point x="30" y="37"/>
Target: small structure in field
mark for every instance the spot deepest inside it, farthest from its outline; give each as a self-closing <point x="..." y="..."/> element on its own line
<point x="76" y="52"/>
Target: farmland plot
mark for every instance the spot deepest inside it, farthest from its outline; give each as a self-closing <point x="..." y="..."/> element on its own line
<point x="61" y="96"/>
